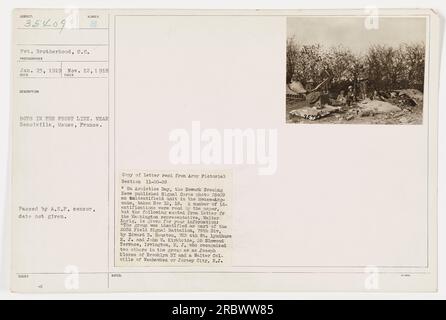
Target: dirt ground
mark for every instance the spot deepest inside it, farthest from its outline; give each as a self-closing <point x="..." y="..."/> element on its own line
<point x="352" y="115"/>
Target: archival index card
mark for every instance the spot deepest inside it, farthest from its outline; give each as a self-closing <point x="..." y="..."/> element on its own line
<point x="167" y="150"/>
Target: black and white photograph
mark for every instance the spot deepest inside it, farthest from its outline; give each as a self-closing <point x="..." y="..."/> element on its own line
<point x="359" y="70"/>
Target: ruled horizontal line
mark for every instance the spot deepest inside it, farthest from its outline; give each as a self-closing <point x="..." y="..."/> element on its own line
<point x="63" y="44"/>
<point x="64" y="61"/>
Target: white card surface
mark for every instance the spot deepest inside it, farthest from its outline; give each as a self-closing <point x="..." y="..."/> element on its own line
<point x="163" y="150"/>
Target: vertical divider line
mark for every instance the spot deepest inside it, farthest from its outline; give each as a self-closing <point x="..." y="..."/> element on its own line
<point x="114" y="139"/>
<point x="108" y="154"/>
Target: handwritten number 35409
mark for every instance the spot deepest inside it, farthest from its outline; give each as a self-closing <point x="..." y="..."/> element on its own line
<point x="45" y="23"/>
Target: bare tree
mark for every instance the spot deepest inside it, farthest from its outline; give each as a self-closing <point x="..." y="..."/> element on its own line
<point x="385" y="67"/>
<point x="291" y="58"/>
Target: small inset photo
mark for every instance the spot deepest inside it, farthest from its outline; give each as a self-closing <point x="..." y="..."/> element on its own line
<point x="358" y="70"/>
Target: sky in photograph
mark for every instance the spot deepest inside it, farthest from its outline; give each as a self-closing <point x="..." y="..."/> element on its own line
<point x="352" y="33"/>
